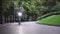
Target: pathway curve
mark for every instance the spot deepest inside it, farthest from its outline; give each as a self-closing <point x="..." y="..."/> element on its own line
<point x="29" y="28"/>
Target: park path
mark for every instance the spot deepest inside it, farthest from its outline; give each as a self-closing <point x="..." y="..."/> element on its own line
<point x="29" y="28"/>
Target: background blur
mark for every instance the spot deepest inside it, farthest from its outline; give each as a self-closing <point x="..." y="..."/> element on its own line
<point x="32" y="9"/>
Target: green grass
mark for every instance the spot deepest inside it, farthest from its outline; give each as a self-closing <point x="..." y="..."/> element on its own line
<point x="51" y="20"/>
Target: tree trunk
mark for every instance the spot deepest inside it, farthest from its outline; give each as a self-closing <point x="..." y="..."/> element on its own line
<point x="1" y="20"/>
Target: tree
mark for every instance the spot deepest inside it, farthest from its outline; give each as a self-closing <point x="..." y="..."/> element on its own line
<point x="1" y="22"/>
<point x="8" y="7"/>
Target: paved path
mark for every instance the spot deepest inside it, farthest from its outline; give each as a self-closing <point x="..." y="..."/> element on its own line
<point x="29" y="28"/>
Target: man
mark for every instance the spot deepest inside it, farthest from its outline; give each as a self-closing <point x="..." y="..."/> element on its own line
<point x="20" y="14"/>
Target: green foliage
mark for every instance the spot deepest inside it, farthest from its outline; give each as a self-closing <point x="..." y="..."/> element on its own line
<point x="33" y="5"/>
<point x="44" y="8"/>
<point x="30" y="7"/>
<point x="6" y="6"/>
<point x="56" y="7"/>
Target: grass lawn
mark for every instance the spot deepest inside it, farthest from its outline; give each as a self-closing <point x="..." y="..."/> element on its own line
<point x="55" y="19"/>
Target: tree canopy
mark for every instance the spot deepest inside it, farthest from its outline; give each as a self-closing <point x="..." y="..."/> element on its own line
<point x="31" y="8"/>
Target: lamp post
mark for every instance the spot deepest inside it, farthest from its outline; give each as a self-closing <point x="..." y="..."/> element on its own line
<point x="19" y="14"/>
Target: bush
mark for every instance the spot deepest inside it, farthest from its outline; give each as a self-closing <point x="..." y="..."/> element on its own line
<point x="56" y="7"/>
